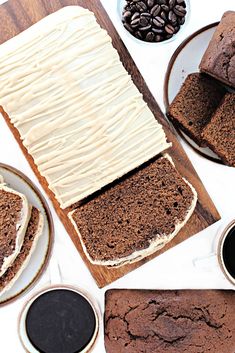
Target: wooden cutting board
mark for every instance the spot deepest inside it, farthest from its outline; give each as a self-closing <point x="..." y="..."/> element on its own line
<point x="16" y="16"/>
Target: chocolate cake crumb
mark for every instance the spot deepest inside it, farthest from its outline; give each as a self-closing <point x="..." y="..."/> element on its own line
<point x="194" y="105"/>
<point x="127" y="217"/>
<point x="219" y="134"/>
<point x="184" y="321"/>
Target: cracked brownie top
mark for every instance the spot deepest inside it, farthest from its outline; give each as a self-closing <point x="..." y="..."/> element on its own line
<point x="219" y="58"/>
<point x="186" y="321"/>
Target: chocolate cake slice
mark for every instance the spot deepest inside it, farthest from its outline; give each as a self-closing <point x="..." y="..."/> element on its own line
<point x="219" y="134"/>
<point x="219" y="58"/>
<point x="192" y="108"/>
<point x="14" y="217"/>
<point x="157" y="321"/>
<point x="31" y="238"/>
<point x="135" y="217"/>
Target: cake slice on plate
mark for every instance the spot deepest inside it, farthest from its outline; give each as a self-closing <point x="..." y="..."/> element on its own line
<point x="14" y="217"/>
<point x="137" y="216"/>
<point x="219" y="134"/>
<point x="34" y="231"/>
<point x="194" y="105"/>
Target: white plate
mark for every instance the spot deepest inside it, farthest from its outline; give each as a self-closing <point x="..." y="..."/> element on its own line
<point x="38" y="261"/>
<point x="185" y="60"/>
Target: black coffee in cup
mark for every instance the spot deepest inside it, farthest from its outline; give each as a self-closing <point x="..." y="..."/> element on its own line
<point x="61" y="321"/>
<point x="228" y="252"/>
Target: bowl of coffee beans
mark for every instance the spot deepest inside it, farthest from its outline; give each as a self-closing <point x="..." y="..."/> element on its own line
<point x="153" y="21"/>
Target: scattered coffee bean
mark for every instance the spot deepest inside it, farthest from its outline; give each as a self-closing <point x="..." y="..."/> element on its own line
<point x="171" y="4"/>
<point x="135" y="16"/>
<point x="154" y="20"/>
<point x="179" y="10"/>
<point x="158" y="22"/>
<point x="155" y="10"/>
<point x="163" y="16"/>
<point x="150" y="3"/>
<point x="150" y="37"/>
<point x="169" y="29"/>
<point x="165" y="8"/>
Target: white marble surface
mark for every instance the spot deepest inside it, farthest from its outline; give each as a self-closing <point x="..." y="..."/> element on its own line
<point x="174" y="269"/>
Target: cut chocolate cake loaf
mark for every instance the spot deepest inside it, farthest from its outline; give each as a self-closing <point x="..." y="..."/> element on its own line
<point x="137" y="216"/>
<point x="197" y="100"/>
<point x="14" y="217"/>
<point x="219" y="134"/>
<point x="219" y="58"/>
<point x="34" y="230"/>
<point x="184" y="321"/>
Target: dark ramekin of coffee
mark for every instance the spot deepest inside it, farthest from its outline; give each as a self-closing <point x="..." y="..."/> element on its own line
<point x="154" y="21"/>
<point x="61" y="319"/>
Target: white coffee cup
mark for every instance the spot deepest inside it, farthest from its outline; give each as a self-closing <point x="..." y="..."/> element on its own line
<point x="215" y="258"/>
<point x="56" y="276"/>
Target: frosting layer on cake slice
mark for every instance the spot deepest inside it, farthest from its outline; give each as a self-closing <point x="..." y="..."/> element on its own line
<point x="33" y="233"/>
<point x="135" y="217"/>
<point x="77" y="110"/>
<point x="14" y="217"/>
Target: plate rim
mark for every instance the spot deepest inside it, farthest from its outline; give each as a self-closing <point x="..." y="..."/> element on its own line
<point x="51" y="235"/>
<point x="166" y="84"/>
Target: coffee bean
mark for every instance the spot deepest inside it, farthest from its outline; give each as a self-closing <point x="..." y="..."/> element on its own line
<point x="179" y="10"/>
<point x="145" y="28"/>
<point x="158" y="22"/>
<point x="127" y="14"/>
<point x="145" y="14"/>
<point x="172" y="17"/>
<point x="135" y="23"/>
<point x="141" y="6"/>
<point x="181" y="21"/>
<point x="163" y="16"/>
<point x="177" y="28"/>
<point x="158" y="38"/>
<point x="128" y="27"/>
<point x="180" y="2"/>
<point x="135" y="16"/>
<point x="169" y="29"/>
<point x="168" y="36"/>
<point x="155" y="10"/>
<point x="143" y="21"/>
<point x="171" y="4"/>
<point x="157" y="30"/>
<point x="138" y="35"/>
<point x="162" y="2"/>
<point x="151" y="3"/>
<point x="165" y="8"/>
<point x="150" y="37"/>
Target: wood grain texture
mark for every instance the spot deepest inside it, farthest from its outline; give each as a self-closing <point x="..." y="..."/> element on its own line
<point x="16" y="16"/>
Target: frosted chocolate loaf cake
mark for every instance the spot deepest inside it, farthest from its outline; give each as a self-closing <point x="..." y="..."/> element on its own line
<point x="74" y="105"/>
<point x="219" y="58"/>
<point x="32" y="235"/>
<point x="157" y="321"/>
<point x="135" y="217"/>
<point x="14" y="217"/>
<point x="194" y="105"/>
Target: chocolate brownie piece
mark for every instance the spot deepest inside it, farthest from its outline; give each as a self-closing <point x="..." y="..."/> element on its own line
<point x="219" y="134"/>
<point x="219" y="58"/>
<point x="185" y="321"/>
<point x="135" y="217"/>
<point x="33" y="232"/>
<point x="192" y="108"/>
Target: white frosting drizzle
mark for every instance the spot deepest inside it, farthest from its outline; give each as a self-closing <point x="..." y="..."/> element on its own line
<point x="76" y="108"/>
